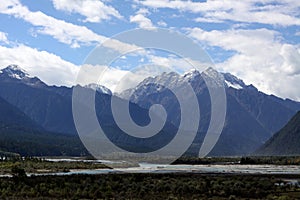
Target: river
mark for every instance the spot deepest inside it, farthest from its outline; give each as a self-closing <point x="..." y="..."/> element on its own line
<point x="209" y="169"/>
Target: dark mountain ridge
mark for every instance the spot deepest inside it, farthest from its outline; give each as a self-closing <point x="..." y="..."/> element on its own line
<point x="20" y="134"/>
<point x="285" y="142"/>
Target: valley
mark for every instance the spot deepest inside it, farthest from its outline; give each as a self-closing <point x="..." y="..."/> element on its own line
<point x="45" y="113"/>
<point x="42" y="155"/>
<point x="150" y="99"/>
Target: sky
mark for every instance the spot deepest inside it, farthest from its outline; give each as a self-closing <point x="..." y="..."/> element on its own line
<point x="255" y="40"/>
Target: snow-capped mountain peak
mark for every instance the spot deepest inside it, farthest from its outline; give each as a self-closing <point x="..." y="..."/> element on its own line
<point x="213" y="77"/>
<point x="99" y="88"/>
<point x="197" y="79"/>
<point x="191" y="74"/>
<point x="14" y="71"/>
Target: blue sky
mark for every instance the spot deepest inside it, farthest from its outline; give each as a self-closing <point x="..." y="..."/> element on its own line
<point x="258" y="41"/>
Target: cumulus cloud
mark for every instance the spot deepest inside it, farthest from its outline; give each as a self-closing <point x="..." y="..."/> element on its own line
<point x="177" y="64"/>
<point x="100" y="74"/>
<point x="291" y="55"/>
<point x="162" y="23"/>
<point x="53" y="70"/>
<point x="3" y="37"/>
<point x="49" y="67"/>
<point x="142" y="21"/>
<point x="117" y="80"/>
<point x="207" y="20"/>
<point x="261" y="58"/>
<point x="92" y="10"/>
<point x="143" y="11"/>
<point x="64" y="32"/>
<point x="284" y="13"/>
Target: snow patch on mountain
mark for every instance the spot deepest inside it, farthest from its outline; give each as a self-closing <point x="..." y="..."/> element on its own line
<point x="232" y="85"/>
<point x="191" y="74"/>
<point x="233" y="82"/>
<point x="213" y="78"/>
<point x="99" y="88"/>
<point x="14" y="71"/>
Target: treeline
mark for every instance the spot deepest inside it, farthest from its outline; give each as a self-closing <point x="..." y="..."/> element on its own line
<point x="206" y="160"/>
<point x="147" y="186"/>
<point x="19" y="165"/>
<point x="274" y="160"/>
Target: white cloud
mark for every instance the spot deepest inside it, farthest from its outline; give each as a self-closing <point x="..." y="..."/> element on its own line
<point x="53" y="70"/>
<point x="143" y="11"/>
<point x="264" y="17"/>
<point x="116" y="80"/>
<point x="177" y="64"/>
<point x="238" y="39"/>
<point x="3" y="37"/>
<point x="291" y="55"/>
<point x="272" y="12"/>
<point x="93" y="10"/>
<point x="207" y="20"/>
<point x="260" y="59"/>
<point x="142" y="21"/>
<point x="68" y="33"/>
<point x="102" y="75"/>
<point x="162" y="23"/>
<point x="49" y="67"/>
<point x="64" y="32"/>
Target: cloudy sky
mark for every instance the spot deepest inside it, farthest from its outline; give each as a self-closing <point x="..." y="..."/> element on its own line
<point x="258" y="41"/>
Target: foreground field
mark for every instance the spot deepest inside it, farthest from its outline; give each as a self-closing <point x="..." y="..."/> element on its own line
<point x="154" y="185"/>
<point x="150" y="186"/>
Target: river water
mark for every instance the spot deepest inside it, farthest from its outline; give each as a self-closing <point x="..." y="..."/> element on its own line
<point x="209" y="169"/>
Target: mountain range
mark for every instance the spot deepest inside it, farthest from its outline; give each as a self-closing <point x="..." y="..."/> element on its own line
<point x="251" y="119"/>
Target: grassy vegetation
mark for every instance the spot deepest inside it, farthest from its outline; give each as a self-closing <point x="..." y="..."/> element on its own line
<point x="35" y="165"/>
<point x="143" y="186"/>
<point x="148" y="186"/>
<point x="275" y="160"/>
<point x="207" y="160"/>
